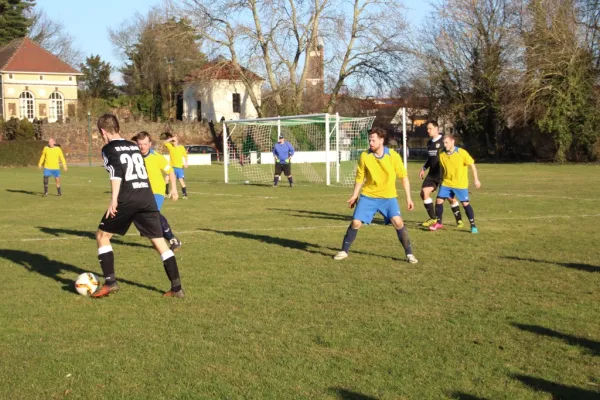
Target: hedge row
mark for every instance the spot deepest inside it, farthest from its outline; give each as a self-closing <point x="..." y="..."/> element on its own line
<point x="20" y="152"/>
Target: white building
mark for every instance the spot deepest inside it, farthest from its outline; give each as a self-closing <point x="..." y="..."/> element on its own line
<point x="217" y="90"/>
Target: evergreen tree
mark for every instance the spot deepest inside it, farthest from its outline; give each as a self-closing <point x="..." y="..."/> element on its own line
<point x="13" y="22"/>
<point x="96" y="78"/>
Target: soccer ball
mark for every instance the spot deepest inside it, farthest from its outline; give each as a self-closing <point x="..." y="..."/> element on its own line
<point x="86" y="284"/>
<point x="246" y="182"/>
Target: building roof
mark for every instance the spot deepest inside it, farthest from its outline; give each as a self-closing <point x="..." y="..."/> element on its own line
<point x="221" y="69"/>
<point x="24" y="55"/>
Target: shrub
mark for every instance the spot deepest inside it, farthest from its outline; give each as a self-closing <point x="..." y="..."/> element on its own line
<point x="20" y="152"/>
<point x="16" y="129"/>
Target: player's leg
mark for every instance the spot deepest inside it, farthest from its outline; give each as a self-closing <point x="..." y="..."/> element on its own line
<point x="149" y="226"/>
<point x="455" y="207"/>
<point x="391" y="213"/>
<point x="58" y="190"/>
<point x="278" y="171"/>
<point x="443" y="194"/>
<point x="170" y="264"/>
<point x="363" y="213"/>
<point x="106" y="258"/>
<point x="426" y="190"/>
<point x="463" y="196"/>
<point x="46" y="180"/>
<point x="287" y="169"/>
<point x="180" y="177"/>
<point x="166" y="228"/>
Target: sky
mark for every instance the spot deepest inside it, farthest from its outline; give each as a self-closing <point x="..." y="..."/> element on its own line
<point x="88" y="21"/>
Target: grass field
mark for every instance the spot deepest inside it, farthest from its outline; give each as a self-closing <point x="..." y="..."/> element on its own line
<point x="511" y="313"/>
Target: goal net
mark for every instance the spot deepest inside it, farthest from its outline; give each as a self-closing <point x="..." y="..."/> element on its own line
<point x="326" y="148"/>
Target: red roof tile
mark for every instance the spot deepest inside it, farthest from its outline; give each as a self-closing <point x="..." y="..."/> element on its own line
<point x="221" y="70"/>
<point x="24" y="55"/>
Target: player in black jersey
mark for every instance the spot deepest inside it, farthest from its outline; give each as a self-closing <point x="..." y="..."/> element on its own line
<point x="434" y="178"/>
<point x="132" y="201"/>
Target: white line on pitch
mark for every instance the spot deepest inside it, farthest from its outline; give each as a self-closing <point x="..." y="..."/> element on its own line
<point x="534" y="195"/>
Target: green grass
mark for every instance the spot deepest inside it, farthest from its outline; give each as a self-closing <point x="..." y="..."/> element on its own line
<point x="511" y="313"/>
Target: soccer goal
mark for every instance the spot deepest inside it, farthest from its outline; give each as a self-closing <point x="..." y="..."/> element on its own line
<point x="326" y="146"/>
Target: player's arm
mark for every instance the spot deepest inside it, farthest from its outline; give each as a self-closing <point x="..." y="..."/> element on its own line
<point x="115" y="186"/>
<point x="475" y="176"/>
<point x="275" y="155"/>
<point x="174" y="195"/>
<point x="42" y="158"/>
<point x="290" y="152"/>
<point x="185" y="157"/>
<point x="358" y="182"/>
<point x="113" y="166"/>
<point x="424" y="167"/>
<point x="61" y="157"/>
<point x="406" y="186"/>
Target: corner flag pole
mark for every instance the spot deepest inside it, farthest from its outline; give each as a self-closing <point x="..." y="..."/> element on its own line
<point x="225" y="153"/>
<point x="404" y="152"/>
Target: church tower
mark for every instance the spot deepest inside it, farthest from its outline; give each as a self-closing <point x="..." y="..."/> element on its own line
<point x="315" y="78"/>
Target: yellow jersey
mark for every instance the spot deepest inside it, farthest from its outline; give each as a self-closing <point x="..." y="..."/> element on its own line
<point x="379" y="174"/>
<point x="456" y="174"/>
<point x="51" y="156"/>
<point x="176" y="155"/>
<point x="156" y="164"/>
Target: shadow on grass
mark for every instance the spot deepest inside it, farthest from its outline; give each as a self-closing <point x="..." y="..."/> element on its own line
<point x="556" y="390"/>
<point x="592" y="345"/>
<point x="577" y="266"/>
<point x="293" y="244"/>
<point x="53" y="269"/>
<point x="344" y="394"/>
<point x="464" y="396"/>
<point x="25" y="192"/>
<point x="86" y="234"/>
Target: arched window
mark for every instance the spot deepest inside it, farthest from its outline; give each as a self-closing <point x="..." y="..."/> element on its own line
<point x="26" y="102"/>
<point x="56" y="106"/>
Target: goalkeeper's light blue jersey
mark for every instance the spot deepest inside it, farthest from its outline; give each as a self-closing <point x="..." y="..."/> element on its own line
<point x="283" y="151"/>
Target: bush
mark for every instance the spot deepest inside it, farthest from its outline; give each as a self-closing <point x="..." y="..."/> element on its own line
<point x="16" y="129"/>
<point x="20" y="152"/>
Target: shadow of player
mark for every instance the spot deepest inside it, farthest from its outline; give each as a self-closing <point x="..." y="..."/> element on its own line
<point x="293" y="244"/>
<point x="53" y="269"/>
<point x="25" y="192"/>
<point x="557" y="390"/>
<point x="58" y="232"/>
<point x="345" y="394"/>
<point x="577" y="266"/>
<point x="592" y="345"/>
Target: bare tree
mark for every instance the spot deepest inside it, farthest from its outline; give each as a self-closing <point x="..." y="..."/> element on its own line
<point x="274" y="36"/>
<point x="53" y="36"/>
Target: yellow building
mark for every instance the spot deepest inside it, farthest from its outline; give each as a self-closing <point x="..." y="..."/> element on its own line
<point x="34" y="83"/>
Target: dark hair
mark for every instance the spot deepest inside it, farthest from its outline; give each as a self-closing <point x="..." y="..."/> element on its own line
<point x="380" y="132"/>
<point x="109" y="123"/>
<point x="141" y="136"/>
<point x="433" y="122"/>
<point x="166" y="135"/>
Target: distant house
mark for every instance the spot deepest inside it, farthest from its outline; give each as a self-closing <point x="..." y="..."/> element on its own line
<point x="216" y="90"/>
<point x="34" y="83"/>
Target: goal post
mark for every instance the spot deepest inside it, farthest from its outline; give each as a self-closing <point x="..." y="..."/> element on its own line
<point x="326" y="146"/>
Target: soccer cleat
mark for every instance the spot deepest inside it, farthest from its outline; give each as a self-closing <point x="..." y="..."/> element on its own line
<point x="411" y="259"/>
<point x="184" y="197"/>
<point x="340" y="256"/>
<point x="45" y="195"/>
<point x="179" y="294"/>
<point x="474" y="229"/>
<point x="429" y="222"/>
<point x="291" y="185"/>
<point x="460" y="224"/>
<point x="105" y="290"/>
<point x="436" y="226"/>
<point x="175" y="244"/>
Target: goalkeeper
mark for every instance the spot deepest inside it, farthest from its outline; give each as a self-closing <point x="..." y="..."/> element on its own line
<point x="283" y="152"/>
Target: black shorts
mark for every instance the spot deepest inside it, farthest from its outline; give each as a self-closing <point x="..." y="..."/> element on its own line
<point x="286" y="168"/>
<point x="432" y="181"/>
<point x="145" y="217"/>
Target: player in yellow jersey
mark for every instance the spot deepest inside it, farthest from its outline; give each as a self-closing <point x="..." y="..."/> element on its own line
<point x="376" y="175"/>
<point x="455" y="183"/>
<point x="157" y="165"/>
<point x="178" y="159"/>
<point x="51" y="156"/>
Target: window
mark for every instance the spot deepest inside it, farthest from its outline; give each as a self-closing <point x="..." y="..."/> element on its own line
<point x="10" y="76"/>
<point x="56" y="106"/>
<point x="237" y="104"/>
<point x="26" y="101"/>
<point x="41" y="77"/>
<point x="70" y="78"/>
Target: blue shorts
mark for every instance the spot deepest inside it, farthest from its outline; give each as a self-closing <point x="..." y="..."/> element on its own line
<point x="447" y="192"/>
<point x="160" y="199"/>
<point x="178" y="173"/>
<point x="52" y="172"/>
<point x="367" y="207"/>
